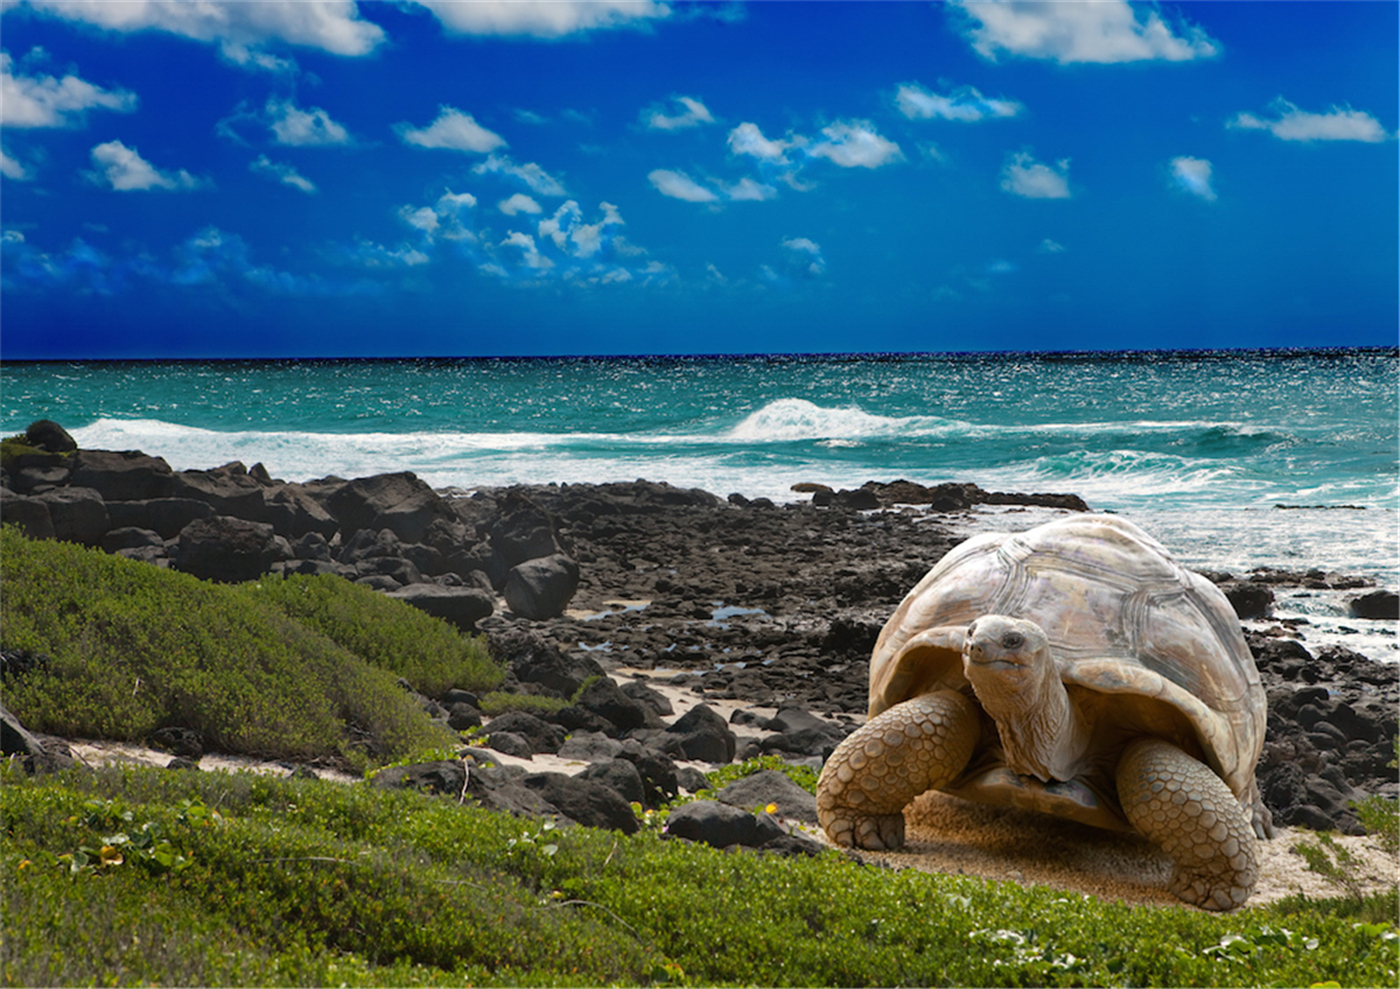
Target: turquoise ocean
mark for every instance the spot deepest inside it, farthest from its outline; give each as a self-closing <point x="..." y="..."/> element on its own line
<point x="1200" y="448"/>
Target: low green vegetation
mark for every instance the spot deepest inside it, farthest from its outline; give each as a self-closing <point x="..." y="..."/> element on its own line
<point x="14" y="447"/>
<point x="127" y="876"/>
<point x="500" y="701"/>
<point x="299" y="670"/>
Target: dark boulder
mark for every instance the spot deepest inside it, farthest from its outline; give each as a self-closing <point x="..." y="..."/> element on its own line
<point x="510" y="743"/>
<point x="1249" y="598"/>
<point x="769" y="787"/>
<point x="78" y="514"/>
<point x="590" y="746"/>
<point x="15" y="739"/>
<point x="166" y="516"/>
<point x="49" y="435"/>
<point x="617" y="775"/>
<point x="294" y="513"/>
<point x="33" y="480"/>
<point x="178" y="741"/>
<point x="125" y="476"/>
<point x="584" y="801"/>
<point x="703" y="734"/>
<point x="427" y="777"/>
<point x="1377" y="605"/>
<point x="604" y="698"/>
<point x="534" y="659"/>
<point x="228" y="550"/>
<point x="462" y="716"/>
<point x="399" y="502"/>
<point x="31" y="515"/>
<point x="522" y="531"/>
<point x="721" y="825"/>
<point x="131" y="537"/>
<point x="227" y="489"/>
<point x="646" y="696"/>
<point x="462" y="607"/>
<point x="541" y="735"/>
<point x="542" y="588"/>
<point x="660" y="776"/>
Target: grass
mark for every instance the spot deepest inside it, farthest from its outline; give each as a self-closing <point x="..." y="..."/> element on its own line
<point x="299" y="670"/>
<point x="279" y="882"/>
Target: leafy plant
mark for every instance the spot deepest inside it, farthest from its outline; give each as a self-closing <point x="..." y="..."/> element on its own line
<point x="499" y="702"/>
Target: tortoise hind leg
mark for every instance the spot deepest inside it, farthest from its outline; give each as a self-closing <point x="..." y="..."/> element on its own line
<point x="915" y="746"/>
<point x="1187" y="810"/>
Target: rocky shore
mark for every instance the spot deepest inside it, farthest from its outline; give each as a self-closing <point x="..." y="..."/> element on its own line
<point x="767" y="612"/>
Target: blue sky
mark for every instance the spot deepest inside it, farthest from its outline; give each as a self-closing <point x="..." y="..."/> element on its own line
<point x="437" y="179"/>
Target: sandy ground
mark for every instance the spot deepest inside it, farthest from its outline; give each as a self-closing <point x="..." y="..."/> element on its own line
<point x="948" y="835"/>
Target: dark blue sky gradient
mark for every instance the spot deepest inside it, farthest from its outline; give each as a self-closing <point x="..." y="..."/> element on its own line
<point x="1293" y="242"/>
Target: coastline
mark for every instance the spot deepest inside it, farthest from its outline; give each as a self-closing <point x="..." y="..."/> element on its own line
<point x="731" y="602"/>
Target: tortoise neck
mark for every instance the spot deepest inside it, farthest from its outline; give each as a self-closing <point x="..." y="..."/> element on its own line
<point x="1042" y="732"/>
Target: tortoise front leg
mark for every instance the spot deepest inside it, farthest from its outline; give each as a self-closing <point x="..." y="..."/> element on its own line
<point x="1183" y="807"/>
<point x="913" y="747"/>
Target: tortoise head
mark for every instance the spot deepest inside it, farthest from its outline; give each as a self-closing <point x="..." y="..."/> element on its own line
<point x="1007" y="661"/>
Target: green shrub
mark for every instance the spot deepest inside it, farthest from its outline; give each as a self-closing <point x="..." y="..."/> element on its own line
<point x="426" y="651"/>
<point x="134" y="648"/>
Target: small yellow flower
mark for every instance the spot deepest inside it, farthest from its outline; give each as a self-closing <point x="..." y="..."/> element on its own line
<point x="24" y="863"/>
<point x="110" y="856"/>
<point x="771" y="808"/>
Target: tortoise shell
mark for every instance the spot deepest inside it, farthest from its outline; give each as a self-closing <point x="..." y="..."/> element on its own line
<point x="1122" y="618"/>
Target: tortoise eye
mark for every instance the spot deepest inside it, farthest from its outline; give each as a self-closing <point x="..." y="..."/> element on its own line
<point x="1013" y="640"/>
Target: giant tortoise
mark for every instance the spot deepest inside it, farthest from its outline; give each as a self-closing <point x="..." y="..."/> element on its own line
<point x="1074" y="669"/>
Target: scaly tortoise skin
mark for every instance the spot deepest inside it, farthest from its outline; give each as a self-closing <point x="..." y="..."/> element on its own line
<point x="1074" y="669"/>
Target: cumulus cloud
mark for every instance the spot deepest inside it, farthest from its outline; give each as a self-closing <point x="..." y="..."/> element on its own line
<point x="693" y="114"/>
<point x="240" y="29"/>
<point x="279" y="172"/>
<point x="543" y="18"/>
<point x="574" y="237"/>
<point x="1048" y="246"/>
<point x="535" y="178"/>
<point x="529" y="253"/>
<point x="1024" y="176"/>
<point x="964" y="104"/>
<point x="855" y="145"/>
<point x="1108" y="31"/>
<point x="807" y="254"/>
<point x="519" y="203"/>
<point x="747" y="139"/>
<point x="296" y="127"/>
<point x="1192" y="175"/>
<point x="747" y="190"/>
<point x="679" y="185"/>
<point x="45" y="101"/>
<point x="1293" y="124"/>
<point x="126" y="171"/>
<point x="453" y="130"/>
<point x="13" y="169"/>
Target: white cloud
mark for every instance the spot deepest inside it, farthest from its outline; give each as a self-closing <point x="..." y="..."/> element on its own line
<point x="576" y="238"/>
<point x="855" y="145"/>
<point x="452" y="130"/>
<point x="808" y="254"/>
<point x="13" y="169"/>
<point x="519" y="203"/>
<point x="1107" y="31"/>
<point x="678" y="185"/>
<point x="536" y="179"/>
<point x="1048" y="246"/>
<point x="127" y="171"/>
<point x="293" y="126"/>
<point x="44" y="101"/>
<point x="423" y="218"/>
<point x="1024" y="176"/>
<point x="964" y="104"/>
<point x="1193" y="175"/>
<point x="1293" y="124"/>
<point x="543" y="18"/>
<point x="747" y="139"/>
<point x="530" y="255"/>
<point x="279" y="172"/>
<point x="239" y="28"/>
<point x="747" y="190"/>
<point x="694" y="113"/>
